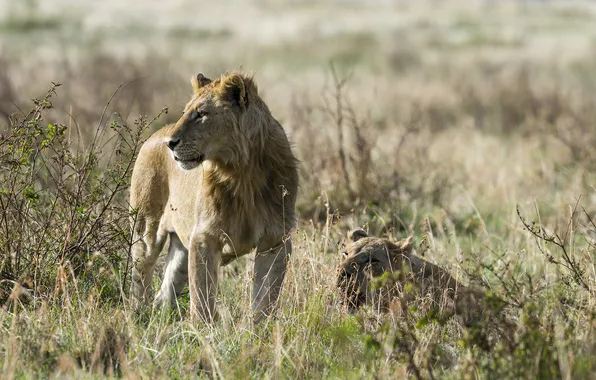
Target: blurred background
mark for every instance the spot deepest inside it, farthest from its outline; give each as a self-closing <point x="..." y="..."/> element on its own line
<point x="460" y="105"/>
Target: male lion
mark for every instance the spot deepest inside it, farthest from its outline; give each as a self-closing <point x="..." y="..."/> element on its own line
<point x="219" y="182"/>
<point x="368" y="258"/>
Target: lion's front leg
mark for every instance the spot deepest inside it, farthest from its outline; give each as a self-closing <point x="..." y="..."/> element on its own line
<point x="269" y="273"/>
<point x="203" y="266"/>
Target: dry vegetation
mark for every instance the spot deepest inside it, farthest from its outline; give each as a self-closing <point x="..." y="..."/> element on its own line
<point x="469" y="125"/>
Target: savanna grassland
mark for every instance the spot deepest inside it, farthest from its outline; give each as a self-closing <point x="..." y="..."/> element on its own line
<point x="470" y="125"/>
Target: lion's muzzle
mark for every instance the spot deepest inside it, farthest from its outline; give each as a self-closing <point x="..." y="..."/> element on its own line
<point x="186" y="159"/>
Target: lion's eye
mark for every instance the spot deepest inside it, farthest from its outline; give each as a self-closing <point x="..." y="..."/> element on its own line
<point x="197" y="115"/>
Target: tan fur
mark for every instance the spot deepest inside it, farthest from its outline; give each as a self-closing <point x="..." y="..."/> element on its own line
<point x="220" y="182"/>
<point x="368" y="258"/>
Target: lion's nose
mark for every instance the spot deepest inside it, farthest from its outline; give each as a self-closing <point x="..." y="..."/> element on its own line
<point x="172" y="143"/>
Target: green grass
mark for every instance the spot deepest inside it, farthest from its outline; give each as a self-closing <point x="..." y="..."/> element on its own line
<point x="30" y="25"/>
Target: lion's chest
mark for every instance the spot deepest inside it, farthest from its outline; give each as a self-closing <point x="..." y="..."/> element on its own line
<point x="240" y="217"/>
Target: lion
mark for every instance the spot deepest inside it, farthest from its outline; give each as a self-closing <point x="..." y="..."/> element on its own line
<point x="220" y="182"/>
<point x="368" y="259"/>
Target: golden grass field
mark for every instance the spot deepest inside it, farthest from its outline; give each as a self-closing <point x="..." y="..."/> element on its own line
<point x="454" y="121"/>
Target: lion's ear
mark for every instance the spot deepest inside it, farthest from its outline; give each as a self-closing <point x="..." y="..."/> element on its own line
<point x="357" y="234"/>
<point x="238" y="90"/>
<point x="198" y="81"/>
<point x="406" y="244"/>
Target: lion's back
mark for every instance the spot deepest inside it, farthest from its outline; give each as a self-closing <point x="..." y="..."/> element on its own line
<point x="149" y="180"/>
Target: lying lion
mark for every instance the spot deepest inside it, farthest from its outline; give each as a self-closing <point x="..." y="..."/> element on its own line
<point x="406" y="277"/>
<point x="219" y="183"/>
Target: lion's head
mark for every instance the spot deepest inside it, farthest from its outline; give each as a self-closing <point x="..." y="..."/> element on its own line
<point x="367" y="258"/>
<point x="212" y="126"/>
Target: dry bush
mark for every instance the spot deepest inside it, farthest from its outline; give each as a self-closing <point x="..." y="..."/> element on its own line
<point x="342" y="165"/>
<point x="63" y="208"/>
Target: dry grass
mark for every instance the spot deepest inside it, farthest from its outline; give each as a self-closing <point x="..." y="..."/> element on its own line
<point x="470" y="126"/>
